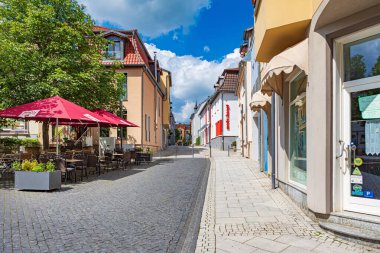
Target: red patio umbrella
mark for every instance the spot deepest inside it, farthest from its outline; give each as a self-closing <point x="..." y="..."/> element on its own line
<point x="112" y="118"/>
<point x="52" y="109"/>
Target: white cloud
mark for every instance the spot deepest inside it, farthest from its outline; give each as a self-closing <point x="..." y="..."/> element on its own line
<point x="184" y="114"/>
<point x="206" y="49"/>
<point x="193" y="77"/>
<point x="151" y="18"/>
<point x="175" y="36"/>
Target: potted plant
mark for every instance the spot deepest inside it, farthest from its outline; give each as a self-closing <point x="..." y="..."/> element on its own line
<point x="36" y="176"/>
<point x="32" y="146"/>
<point x="233" y="146"/>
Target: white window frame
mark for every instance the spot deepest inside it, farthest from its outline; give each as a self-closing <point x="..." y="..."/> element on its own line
<point x="303" y="95"/>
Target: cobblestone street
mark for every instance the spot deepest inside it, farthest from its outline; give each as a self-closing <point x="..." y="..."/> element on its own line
<point x="144" y="209"/>
<point x="243" y="214"/>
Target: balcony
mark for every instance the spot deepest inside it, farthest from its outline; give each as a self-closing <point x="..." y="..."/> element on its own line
<point x="281" y="24"/>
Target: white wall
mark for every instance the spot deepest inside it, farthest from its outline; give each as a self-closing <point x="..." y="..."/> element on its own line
<point x="231" y="100"/>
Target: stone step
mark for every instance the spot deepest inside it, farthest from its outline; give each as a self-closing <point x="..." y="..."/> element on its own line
<point x="353" y="232"/>
<point x="354" y="225"/>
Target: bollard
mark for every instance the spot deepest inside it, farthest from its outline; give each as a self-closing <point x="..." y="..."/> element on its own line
<point x="228" y="148"/>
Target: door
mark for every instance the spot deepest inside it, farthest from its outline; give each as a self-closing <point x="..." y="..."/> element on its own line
<point x="357" y="77"/>
<point x="361" y="134"/>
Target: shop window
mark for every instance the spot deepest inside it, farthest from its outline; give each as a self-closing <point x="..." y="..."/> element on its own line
<point x="362" y="58"/>
<point x="297" y="130"/>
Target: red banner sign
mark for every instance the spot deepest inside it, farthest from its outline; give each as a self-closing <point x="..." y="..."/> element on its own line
<point x="228" y="117"/>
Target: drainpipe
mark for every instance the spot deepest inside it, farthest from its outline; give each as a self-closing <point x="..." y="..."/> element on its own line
<point x="273" y="124"/>
<point x="142" y="108"/>
<point x="222" y="121"/>
<point x="246" y="107"/>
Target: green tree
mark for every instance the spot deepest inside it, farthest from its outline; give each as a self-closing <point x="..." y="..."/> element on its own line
<point x="48" y="48"/>
<point x="376" y="67"/>
<point x="177" y="135"/>
<point x="357" y="67"/>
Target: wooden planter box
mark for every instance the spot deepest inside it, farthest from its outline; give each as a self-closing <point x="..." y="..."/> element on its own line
<point x="39" y="181"/>
<point x="143" y="157"/>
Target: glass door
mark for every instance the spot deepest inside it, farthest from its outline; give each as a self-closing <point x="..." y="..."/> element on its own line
<point x="361" y="174"/>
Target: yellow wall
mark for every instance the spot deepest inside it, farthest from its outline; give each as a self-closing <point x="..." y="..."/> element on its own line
<point x="165" y="79"/>
<point x="280" y="24"/>
<point x="133" y="104"/>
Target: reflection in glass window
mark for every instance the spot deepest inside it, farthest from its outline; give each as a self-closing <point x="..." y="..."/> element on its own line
<point x="297" y="124"/>
<point x="114" y="50"/>
<point x="362" y="58"/>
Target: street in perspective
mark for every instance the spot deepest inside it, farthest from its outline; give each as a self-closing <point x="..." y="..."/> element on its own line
<point x="189" y="126"/>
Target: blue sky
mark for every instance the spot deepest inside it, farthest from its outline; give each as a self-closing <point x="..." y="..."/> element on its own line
<point x="194" y="39"/>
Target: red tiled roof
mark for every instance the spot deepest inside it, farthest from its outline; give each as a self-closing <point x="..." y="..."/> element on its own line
<point x="134" y="50"/>
<point x="230" y="80"/>
<point x="97" y="28"/>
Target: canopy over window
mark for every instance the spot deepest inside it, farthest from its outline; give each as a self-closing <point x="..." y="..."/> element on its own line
<point x="260" y="101"/>
<point x="283" y="64"/>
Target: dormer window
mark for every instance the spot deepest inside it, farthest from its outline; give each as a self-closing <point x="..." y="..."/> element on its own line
<point x="115" y="49"/>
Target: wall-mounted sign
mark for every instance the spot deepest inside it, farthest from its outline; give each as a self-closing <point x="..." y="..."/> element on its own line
<point x="370" y="106"/>
<point x="228" y="117"/>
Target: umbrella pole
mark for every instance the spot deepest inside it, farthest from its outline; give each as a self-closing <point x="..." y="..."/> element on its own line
<point x="99" y="139"/>
<point x="56" y="139"/>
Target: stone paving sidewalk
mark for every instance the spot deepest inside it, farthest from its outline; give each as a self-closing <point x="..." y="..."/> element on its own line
<point x="243" y="214"/>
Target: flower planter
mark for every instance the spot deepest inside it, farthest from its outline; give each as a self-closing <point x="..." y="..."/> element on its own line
<point x="143" y="157"/>
<point x="40" y="181"/>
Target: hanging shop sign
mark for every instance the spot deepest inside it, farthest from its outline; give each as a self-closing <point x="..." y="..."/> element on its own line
<point x="228" y="117"/>
<point x="370" y="106"/>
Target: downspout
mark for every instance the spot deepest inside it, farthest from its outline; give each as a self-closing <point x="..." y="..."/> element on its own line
<point x="142" y="108"/>
<point x="223" y="121"/>
<point x="246" y="107"/>
<point x="273" y="124"/>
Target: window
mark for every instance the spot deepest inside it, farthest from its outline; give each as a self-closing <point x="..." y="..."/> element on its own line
<point x="18" y="126"/>
<point x="146" y="127"/>
<point x="115" y="49"/>
<point x="297" y="129"/>
<point x="362" y="58"/>
<point x="124" y="85"/>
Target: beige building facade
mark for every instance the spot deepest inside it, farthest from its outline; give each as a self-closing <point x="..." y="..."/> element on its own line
<point x="321" y="63"/>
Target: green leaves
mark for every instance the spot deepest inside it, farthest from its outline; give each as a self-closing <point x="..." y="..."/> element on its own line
<point x="49" y="48"/>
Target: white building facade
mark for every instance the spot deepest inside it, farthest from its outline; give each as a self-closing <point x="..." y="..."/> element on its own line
<point x="225" y="111"/>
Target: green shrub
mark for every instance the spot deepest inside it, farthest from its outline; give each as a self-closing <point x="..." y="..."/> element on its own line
<point x="16" y="166"/>
<point x="40" y="167"/>
<point x="233" y="144"/>
<point x="28" y="142"/>
<point x="50" y="166"/>
<point x="26" y="165"/>
<point x="34" y="166"/>
<point x="10" y="142"/>
<point x="198" y="141"/>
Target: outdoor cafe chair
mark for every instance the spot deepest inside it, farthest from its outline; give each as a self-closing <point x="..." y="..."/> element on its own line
<point x="93" y="164"/>
<point x="81" y="165"/>
<point x="126" y="160"/>
<point x="66" y="171"/>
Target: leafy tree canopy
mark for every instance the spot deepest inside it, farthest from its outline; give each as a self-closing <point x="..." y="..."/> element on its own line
<point x="48" y="48"/>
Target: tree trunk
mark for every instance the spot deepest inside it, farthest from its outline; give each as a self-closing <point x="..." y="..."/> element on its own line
<point x="45" y="135"/>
